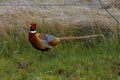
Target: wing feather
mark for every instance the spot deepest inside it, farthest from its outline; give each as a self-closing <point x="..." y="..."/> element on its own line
<point x="44" y="40"/>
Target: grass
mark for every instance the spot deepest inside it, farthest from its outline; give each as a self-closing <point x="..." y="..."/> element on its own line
<point x="68" y="61"/>
<point x="75" y="60"/>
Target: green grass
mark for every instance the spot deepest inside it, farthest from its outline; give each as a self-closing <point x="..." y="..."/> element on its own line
<point x="68" y="61"/>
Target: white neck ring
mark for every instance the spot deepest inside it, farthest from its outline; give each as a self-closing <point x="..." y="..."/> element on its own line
<point x="32" y="31"/>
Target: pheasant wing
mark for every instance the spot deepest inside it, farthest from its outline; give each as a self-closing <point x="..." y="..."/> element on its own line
<point x="45" y="40"/>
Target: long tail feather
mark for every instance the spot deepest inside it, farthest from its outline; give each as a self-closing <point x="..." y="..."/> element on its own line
<point x="81" y="37"/>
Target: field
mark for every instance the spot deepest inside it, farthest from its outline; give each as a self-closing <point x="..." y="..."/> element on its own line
<point x="86" y="59"/>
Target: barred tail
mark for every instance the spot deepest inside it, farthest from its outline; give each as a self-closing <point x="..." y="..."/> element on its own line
<point x="82" y="37"/>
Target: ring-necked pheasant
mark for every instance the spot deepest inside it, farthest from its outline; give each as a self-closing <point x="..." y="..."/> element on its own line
<point x="46" y="42"/>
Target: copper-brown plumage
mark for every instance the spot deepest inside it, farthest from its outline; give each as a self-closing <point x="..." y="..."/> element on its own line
<point x="41" y="41"/>
<point x="46" y="42"/>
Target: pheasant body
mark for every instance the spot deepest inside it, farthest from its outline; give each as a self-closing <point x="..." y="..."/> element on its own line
<point x="46" y="42"/>
<point x="36" y="43"/>
<point x="41" y="41"/>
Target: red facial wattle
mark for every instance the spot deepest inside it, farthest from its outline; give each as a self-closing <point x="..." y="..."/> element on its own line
<point x="32" y="26"/>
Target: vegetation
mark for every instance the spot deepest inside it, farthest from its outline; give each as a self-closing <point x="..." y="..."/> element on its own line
<point x="86" y="59"/>
<point x="68" y="61"/>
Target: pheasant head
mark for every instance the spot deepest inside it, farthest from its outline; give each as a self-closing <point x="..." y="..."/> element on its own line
<point x="33" y="28"/>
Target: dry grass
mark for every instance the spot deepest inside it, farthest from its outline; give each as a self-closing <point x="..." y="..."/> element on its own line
<point x="89" y="20"/>
<point x="72" y="60"/>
